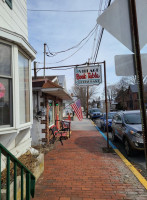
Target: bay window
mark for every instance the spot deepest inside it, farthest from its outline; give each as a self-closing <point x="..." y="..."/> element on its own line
<point x="5" y="86"/>
<point x="24" y="89"/>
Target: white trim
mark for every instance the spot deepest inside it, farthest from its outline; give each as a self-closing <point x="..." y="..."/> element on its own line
<point x="25" y="126"/>
<point x="55" y="79"/>
<point x="19" y="40"/>
<point x="31" y="93"/>
<point x="8" y="130"/>
<point x="51" y="125"/>
<point x="15" y="88"/>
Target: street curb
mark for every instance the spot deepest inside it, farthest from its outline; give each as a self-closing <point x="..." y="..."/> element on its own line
<point x="141" y="179"/>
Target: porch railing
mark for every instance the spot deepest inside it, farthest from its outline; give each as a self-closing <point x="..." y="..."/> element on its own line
<point x="30" y="178"/>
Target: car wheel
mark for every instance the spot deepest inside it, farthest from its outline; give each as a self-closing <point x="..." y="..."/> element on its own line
<point x="128" y="148"/>
<point x="114" y="138"/>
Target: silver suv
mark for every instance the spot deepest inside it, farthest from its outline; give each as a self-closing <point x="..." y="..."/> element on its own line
<point x="127" y="127"/>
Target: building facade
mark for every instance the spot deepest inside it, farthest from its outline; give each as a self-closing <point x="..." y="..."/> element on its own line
<point x="16" y="55"/>
<point x="49" y="94"/>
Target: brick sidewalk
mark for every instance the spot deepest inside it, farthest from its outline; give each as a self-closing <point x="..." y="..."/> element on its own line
<point x="80" y="170"/>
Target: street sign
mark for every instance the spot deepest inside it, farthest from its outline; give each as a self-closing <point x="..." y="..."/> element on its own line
<point x="133" y="13"/>
<point x="88" y="75"/>
<point x="124" y="65"/>
<point x="141" y="8"/>
<point x="116" y="21"/>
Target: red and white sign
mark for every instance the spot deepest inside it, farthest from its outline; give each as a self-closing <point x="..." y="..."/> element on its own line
<point x="2" y="90"/>
<point x="88" y="75"/>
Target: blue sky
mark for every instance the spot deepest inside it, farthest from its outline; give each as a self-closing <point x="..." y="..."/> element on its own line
<point x="64" y="30"/>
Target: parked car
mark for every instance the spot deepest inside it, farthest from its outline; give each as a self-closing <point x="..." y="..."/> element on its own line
<point x="103" y="120"/>
<point x="95" y="113"/>
<point x="127" y="127"/>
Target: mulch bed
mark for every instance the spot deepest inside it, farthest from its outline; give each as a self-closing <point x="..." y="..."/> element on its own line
<point x="27" y="159"/>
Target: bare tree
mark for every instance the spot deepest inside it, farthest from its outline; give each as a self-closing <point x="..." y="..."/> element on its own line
<point x="81" y="93"/>
<point x="126" y="81"/>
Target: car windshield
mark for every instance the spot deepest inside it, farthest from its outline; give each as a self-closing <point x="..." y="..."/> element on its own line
<point x="132" y="118"/>
<point x="95" y="110"/>
<point x="110" y="115"/>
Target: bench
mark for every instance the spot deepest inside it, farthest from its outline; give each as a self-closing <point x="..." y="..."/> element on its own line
<point x="58" y="134"/>
<point x="64" y="125"/>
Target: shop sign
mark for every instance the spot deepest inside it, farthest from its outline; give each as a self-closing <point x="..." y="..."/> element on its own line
<point x="88" y="75"/>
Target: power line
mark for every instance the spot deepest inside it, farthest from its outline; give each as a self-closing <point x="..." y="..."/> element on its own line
<point x="65" y="11"/>
<point x="94" y="43"/>
<point x="73" y="53"/>
<point x="100" y="37"/>
<point x="55" y="53"/>
<point x="70" y="66"/>
<point x="63" y="69"/>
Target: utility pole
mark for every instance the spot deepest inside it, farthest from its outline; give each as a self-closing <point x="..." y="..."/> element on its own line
<point x="87" y="100"/>
<point x="106" y="104"/>
<point x="87" y="92"/>
<point x="35" y="73"/>
<point x="44" y="57"/>
<point x="138" y="69"/>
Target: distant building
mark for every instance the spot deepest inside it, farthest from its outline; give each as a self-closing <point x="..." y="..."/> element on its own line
<point x="16" y="55"/>
<point x="129" y="99"/>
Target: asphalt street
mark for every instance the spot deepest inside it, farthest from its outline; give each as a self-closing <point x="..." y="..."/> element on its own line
<point x="138" y="160"/>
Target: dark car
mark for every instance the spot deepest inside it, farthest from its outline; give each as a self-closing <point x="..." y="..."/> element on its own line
<point x="127" y="127"/>
<point x="95" y="113"/>
<point x="103" y="120"/>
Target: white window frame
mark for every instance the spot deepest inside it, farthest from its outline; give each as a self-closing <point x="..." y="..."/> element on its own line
<point x="27" y="124"/>
<point x="7" y="127"/>
<point x="16" y="126"/>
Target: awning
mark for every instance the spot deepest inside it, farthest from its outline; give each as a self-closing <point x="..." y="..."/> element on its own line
<point x="58" y="92"/>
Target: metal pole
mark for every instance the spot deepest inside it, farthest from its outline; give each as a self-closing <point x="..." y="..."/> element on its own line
<point x="106" y="104"/>
<point x="87" y="100"/>
<point x="35" y="73"/>
<point x="44" y="57"/>
<point x="138" y="68"/>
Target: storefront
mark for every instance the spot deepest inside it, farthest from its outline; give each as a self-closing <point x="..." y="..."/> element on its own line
<point x="47" y="107"/>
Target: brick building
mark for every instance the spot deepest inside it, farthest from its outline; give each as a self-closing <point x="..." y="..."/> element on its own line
<point x="129" y="99"/>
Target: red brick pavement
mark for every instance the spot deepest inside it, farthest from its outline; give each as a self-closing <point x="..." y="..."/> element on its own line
<point x="80" y="170"/>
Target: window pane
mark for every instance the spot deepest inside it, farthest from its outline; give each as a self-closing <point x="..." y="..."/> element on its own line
<point x="5" y="60"/>
<point x="5" y="102"/>
<point x="50" y="112"/>
<point x="24" y="90"/>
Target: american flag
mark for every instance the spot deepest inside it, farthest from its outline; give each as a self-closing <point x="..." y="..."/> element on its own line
<point x="77" y="109"/>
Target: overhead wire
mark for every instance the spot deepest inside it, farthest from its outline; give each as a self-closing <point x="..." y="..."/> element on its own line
<point x="75" y="51"/>
<point x="70" y="66"/>
<point x="55" y="53"/>
<point x="107" y="4"/>
<point x="96" y="33"/>
<point x="67" y="11"/>
<point x="63" y="69"/>
<point x="98" y="38"/>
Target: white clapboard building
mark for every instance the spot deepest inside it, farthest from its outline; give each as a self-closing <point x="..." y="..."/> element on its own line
<point x="16" y="55"/>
